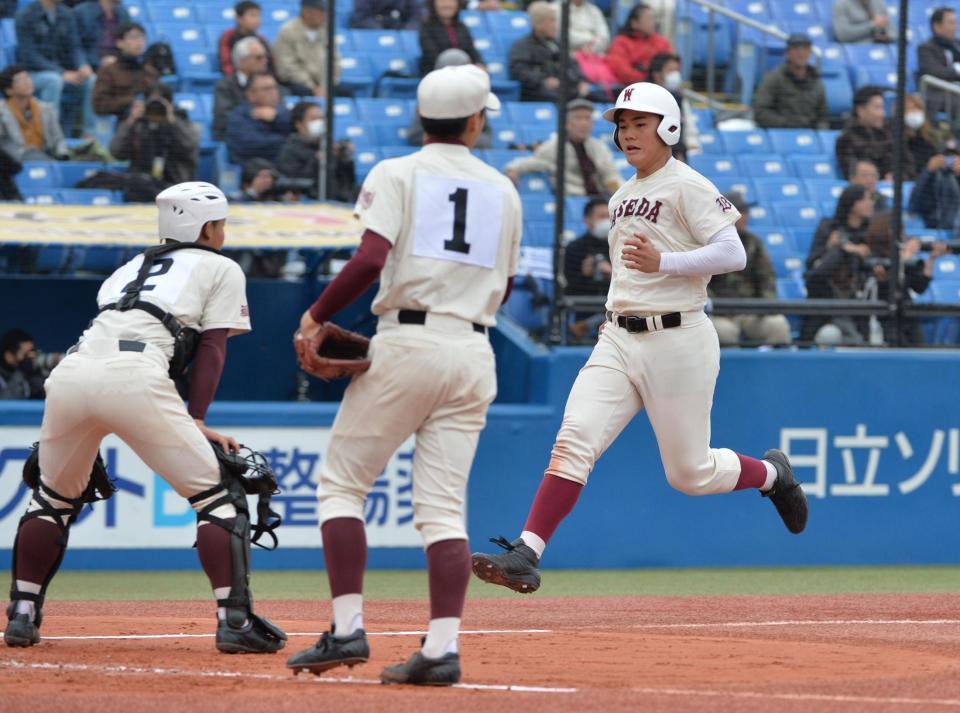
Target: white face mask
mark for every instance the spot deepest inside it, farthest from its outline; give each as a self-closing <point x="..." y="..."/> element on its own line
<point x="914" y="119"/>
<point x="672" y="81"/>
<point x="315" y="128"/>
<point x="601" y="229"/>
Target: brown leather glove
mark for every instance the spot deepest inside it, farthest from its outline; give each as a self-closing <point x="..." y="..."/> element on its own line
<point x="332" y="353"/>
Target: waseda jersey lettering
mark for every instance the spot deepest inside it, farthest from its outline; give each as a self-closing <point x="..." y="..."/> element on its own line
<point x="639" y="207"/>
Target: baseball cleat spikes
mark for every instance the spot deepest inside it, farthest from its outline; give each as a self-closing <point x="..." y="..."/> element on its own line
<point x="418" y="670"/>
<point x="515" y="569"/>
<point x="786" y="494"/>
<point x="21" y="631"/>
<point x="330" y="652"/>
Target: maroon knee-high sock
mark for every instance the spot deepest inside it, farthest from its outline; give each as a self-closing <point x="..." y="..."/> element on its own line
<point x="213" y="548"/>
<point x="345" y="554"/>
<point x="448" y="565"/>
<point x="39" y="546"/>
<point x="753" y="473"/>
<point x="554" y="500"/>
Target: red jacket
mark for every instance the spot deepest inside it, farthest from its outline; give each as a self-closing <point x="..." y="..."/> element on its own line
<point x="630" y="55"/>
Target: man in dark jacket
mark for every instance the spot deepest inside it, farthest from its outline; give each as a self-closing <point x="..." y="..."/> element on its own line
<point x="535" y="59"/>
<point x="97" y="22"/>
<point x="869" y="137"/>
<point x="48" y="45"/>
<point x="587" y="268"/>
<point x="123" y="80"/>
<point x="259" y="127"/>
<point x="792" y="96"/>
<point x="940" y="57"/>
<point x="250" y="56"/>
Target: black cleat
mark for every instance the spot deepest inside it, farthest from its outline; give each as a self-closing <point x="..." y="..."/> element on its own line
<point x="21" y="631"/>
<point x="258" y="635"/>
<point x="516" y="568"/>
<point x="786" y="494"/>
<point x="330" y="652"/>
<point x="418" y="670"/>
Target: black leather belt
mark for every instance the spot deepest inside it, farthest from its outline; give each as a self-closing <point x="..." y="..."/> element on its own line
<point x="635" y="325"/>
<point x="124" y="345"/>
<point x="416" y="316"/>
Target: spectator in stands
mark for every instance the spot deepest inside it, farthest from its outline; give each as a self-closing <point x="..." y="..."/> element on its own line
<point x="869" y="136"/>
<point x="452" y="57"/>
<point x="665" y="71"/>
<point x="940" y="57"/>
<point x="589" y="30"/>
<point x="159" y="141"/>
<point x="590" y="170"/>
<point x="97" y="22"/>
<point x="249" y="57"/>
<point x="756" y="280"/>
<point x="258" y="181"/>
<point x="864" y="173"/>
<point x="443" y="30"/>
<point x="917" y="274"/>
<point x="385" y="14"/>
<point x="792" y="96"/>
<point x="300" y="49"/>
<point x="587" y="268"/>
<point x="924" y="138"/>
<point x="9" y="167"/>
<point x="48" y="45"/>
<point x="123" y="80"/>
<point x="23" y="368"/>
<point x="247" y="16"/>
<point x="535" y="59"/>
<point x="936" y="192"/>
<point x="861" y="21"/>
<point x="29" y="128"/>
<point x="636" y="45"/>
<point x="835" y="265"/>
<point x="258" y="128"/>
<point x="300" y="155"/>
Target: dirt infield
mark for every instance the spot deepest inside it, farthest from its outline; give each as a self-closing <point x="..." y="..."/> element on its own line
<point x="823" y="653"/>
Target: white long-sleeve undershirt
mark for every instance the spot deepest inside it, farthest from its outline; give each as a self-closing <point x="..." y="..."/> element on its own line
<point x="723" y="253"/>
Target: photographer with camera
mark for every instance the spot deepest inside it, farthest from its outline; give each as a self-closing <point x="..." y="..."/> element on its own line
<point x="258" y="128"/>
<point x="159" y="141"/>
<point x="836" y="266"/>
<point x="300" y="155"/>
<point x="23" y="369"/>
<point x="587" y="267"/>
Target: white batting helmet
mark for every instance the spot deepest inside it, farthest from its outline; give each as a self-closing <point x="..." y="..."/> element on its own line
<point x="654" y="99"/>
<point x="186" y="207"/>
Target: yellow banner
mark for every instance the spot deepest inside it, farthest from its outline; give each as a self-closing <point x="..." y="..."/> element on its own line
<point x="273" y="225"/>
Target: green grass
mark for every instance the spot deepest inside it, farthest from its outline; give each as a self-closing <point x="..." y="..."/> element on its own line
<point x="407" y="584"/>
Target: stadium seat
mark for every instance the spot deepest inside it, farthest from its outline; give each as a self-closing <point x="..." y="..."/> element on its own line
<point x="754" y="9"/>
<point x="72" y="172"/>
<point x="786" y="264"/>
<point x="796" y="214"/>
<point x="814" y="166"/>
<point x="508" y="26"/>
<point x="839" y="95"/>
<point x="356" y="74"/>
<point x="538" y="233"/>
<point x="487" y="46"/>
<point x="504" y="133"/>
<point x="499" y="158"/>
<point x="360" y="133"/>
<point x="877" y="76"/>
<point x="532" y="134"/>
<point x="529" y="305"/>
<point x="795" y="11"/>
<point x="947" y="268"/>
<point x="190" y="103"/>
<point x="781" y="250"/>
<point x="391" y="134"/>
<point x="99" y="259"/>
<point x="702" y="118"/>
<point x="476" y="20"/>
<point x="714" y="165"/>
<point x="536" y="208"/>
<point x="505" y="89"/>
<point x="161" y="11"/>
<point x="40" y="196"/>
<point x="869" y="55"/>
<point x="828" y="139"/>
<point x="8" y="32"/>
<point x="802" y="238"/>
<point x="779" y="189"/>
<point x="762" y="218"/>
<point x="524" y="113"/>
<point x="742" y="184"/>
<point x="376" y="42"/>
<point x="791" y="288"/>
<point x="497" y="68"/>
<point x="763" y="165"/>
<point x="183" y="38"/>
<point x="794" y="141"/>
<point x="385" y="111"/>
<point x="741" y="142"/>
<point x="824" y="189"/>
<point x="537" y="183"/>
<point x="832" y="60"/>
<point x="394" y="62"/>
<point x="38" y="175"/>
<point x="365" y="159"/>
<point x="945" y="291"/>
<point x="89" y="196"/>
<point x="211" y="13"/>
<point x="52" y="258"/>
<point x="710" y="142"/>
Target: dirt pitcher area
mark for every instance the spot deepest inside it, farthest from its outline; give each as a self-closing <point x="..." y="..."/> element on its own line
<point x="811" y="653"/>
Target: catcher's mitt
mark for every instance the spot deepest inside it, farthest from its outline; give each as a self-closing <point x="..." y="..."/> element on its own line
<point x="332" y="353"/>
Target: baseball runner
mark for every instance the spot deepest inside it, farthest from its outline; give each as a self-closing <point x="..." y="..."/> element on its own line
<point x="442" y="231"/>
<point x="175" y="300"/>
<point x="657" y="350"/>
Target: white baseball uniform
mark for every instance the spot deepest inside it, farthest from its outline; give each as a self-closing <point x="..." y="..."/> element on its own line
<point x="102" y="388"/>
<point x="454" y="224"/>
<point x="671" y="372"/>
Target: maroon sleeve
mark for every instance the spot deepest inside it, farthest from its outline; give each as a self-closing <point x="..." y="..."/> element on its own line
<point x="207" y="368"/>
<point x="506" y="295"/>
<point x="353" y="280"/>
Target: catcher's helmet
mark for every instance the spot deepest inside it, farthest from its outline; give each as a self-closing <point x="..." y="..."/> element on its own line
<point x="654" y="99"/>
<point x="186" y="207"/>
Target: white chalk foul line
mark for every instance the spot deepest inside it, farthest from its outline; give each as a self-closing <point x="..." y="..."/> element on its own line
<point x="797" y="622"/>
<point x="139" y="671"/>
<point x="822" y="697"/>
<point x="468" y="632"/>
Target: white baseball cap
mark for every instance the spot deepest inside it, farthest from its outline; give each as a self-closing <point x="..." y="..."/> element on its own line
<point x="455" y="93"/>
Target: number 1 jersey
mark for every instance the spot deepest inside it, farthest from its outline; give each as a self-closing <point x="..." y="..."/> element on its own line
<point x="455" y="225"/>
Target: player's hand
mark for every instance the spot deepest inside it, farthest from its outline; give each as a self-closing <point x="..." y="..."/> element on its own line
<point x="228" y="443"/>
<point x="137" y="110"/>
<point x="639" y="254"/>
<point x="264" y="113"/>
<point x="936" y="163"/>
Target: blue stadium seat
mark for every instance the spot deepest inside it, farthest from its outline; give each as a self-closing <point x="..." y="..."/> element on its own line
<point x="391" y="134"/>
<point x="814" y="166"/>
<point x="824" y="189"/>
<point x="524" y="113"/>
<point x="499" y="158"/>
<point x="508" y="26"/>
<point x="360" y="133"/>
<point x="791" y="288"/>
<point x="364" y="160"/>
<point x="740" y="142"/>
<point x="40" y="196"/>
<point x="786" y="264"/>
<point x="376" y="41"/>
<point x="199" y="69"/>
<point x="754" y="9"/>
<point x="777" y="240"/>
<point x="714" y="165"/>
<point x="191" y="103"/>
<point x="784" y="256"/>
<point x="538" y="233"/>
<point x="702" y="118"/>
<point x="945" y="292"/>
<point x="497" y="68"/>
<point x="536" y="133"/>
<point x="833" y="61"/>
<point x="383" y="62"/>
<point x="215" y="14"/>
<point x="488" y="47"/>
<point x="504" y="133"/>
<point x="762" y="218"/>
<point x="802" y="238"/>
<point x="184" y="38"/>
<point x="52" y="258"/>
<point x="385" y="111"/>
<point x="537" y="183"/>
<point x="727" y="182"/>
<point x="878" y="76"/>
<point x="794" y="141"/>
<point x="89" y="196"/>
<point x="869" y="55"/>
<point x="795" y="11"/>
<point x="138" y="10"/>
<point x="796" y="214"/>
<point x="8" y="32"/>
<point x="764" y="165"/>
<point x="476" y="20"/>
<point x="38" y="175"/>
<point x="72" y="172"/>
<point x="162" y="11"/>
<point x="710" y="142"/>
<point x="528" y="306"/>
<point x="779" y="189"/>
<point x="839" y="94"/>
<point x="356" y="74"/>
<point x="537" y="208"/>
<point x="99" y="259"/>
<point x="947" y="268"/>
